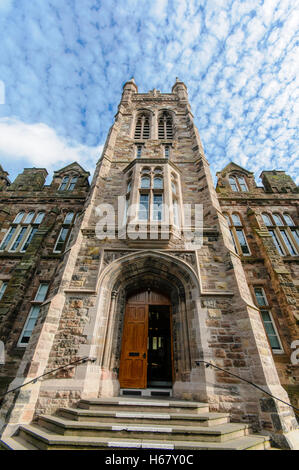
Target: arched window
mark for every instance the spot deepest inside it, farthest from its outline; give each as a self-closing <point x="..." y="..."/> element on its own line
<point x="267" y="220"/>
<point x="236" y="220"/>
<point x="29" y="218"/>
<point x="145" y="182"/>
<point x="142" y="129"/>
<point x="39" y="218"/>
<point x="289" y="220"/>
<point x="18" y="217"/>
<point x="68" y="218"/>
<point x="165" y="127"/>
<point x="158" y="183"/>
<point x="278" y="220"/>
<point x="238" y="234"/>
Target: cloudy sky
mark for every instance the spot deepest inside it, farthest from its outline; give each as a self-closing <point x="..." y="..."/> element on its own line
<point x="63" y="64"/>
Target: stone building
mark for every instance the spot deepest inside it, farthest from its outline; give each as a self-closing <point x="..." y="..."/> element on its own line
<point x="118" y="273"/>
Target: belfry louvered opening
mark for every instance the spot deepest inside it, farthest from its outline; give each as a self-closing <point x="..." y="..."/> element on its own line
<point x="165" y="128"/>
<point x="142" y="130"/>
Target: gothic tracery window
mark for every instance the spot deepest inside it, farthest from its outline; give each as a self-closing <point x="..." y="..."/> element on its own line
<point x="142" y="129"/>
<point x="165" y="126"/>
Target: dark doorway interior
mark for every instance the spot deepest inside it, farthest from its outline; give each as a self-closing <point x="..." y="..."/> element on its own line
<point x="159" y="370"/>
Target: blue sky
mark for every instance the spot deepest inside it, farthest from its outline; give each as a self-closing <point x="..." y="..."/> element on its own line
<point x="63" y="64"/>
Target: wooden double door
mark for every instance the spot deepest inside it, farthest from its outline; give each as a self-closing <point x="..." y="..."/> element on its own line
<point x="146" y="355"/>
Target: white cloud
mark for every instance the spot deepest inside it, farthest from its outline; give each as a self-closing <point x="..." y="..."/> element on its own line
<point x="41" y="146"/>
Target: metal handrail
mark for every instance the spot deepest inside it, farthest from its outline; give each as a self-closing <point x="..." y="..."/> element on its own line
<point x="83" y="359"/>
<point x="208" y="364"/>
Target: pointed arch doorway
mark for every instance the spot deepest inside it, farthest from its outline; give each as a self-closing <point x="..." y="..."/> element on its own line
<point x="146" y="353"/>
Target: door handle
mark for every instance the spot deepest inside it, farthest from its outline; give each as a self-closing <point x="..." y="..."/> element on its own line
<point x="144" y="355"/>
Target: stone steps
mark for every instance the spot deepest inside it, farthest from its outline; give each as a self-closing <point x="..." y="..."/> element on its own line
<point x="135" y="424"/>
<point x="204" y="419"/>
<point x="144" y="404"/>
<point x="219" y="433"/>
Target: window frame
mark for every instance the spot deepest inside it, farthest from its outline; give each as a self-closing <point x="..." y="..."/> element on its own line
<point x="68" y="227"/>
<point x="234" y="230"/>
<point x="238" y="182"/>
<point x="283" y="234"/>
<point x="35" y="306"/>
<point x="267" y="308"/>
<point x="3" y="287"/>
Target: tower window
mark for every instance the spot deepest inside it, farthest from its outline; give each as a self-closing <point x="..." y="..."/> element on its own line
<point x="166" y="151"/>
<point x="165" y="128"/>
<point x="138" y="151"/>
<point x="142" y="129"/>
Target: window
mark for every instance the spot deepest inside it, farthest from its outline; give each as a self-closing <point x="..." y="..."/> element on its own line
<point x="3" y="286"/>
<point x="260" y="296"/>
<point x="238" y="183"/>
<point x="65" y="232"/>
<point x="233" y="184"/>
<point x="278" y="220"/>
<point x="144" y="207"/>
<point x="157" y="207"/>
<point x="276" y="242"/>
<point x="267" y="220"/>
<point x="283" y="232"/>
<point x="267" y="319"/>
<point x="68" y="183"/>
<point x="288" y="242"/>
<point x="28" y="218"/>
<point x="64" y="183"/>
<point x="18" y="239"/>
<point x="165" y="128"/>
<point x="242" y="183"/>
<point x="39" y="218"/>
<point x="151" y="194"/>
<point x="158" y="183"/>
<point x="237" y="233"/>
<point x="8" y="238"/>
<point x="176" y="219"/>
<point x="33" y="314"/>
<point x="73" y="183"/>
<point x="142" y="129"/>
<point x="138" y="151"/>
<point x="166" y="151"/>
<point x="21" y="232"/>
<point x="289" y="220"/>
<point x="31" y="230"/>
<point x="18" y="218"/>
<point x="145" y="182"/>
